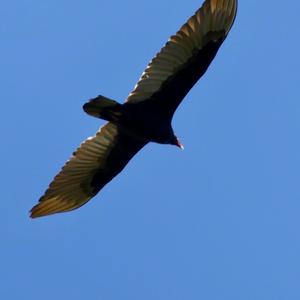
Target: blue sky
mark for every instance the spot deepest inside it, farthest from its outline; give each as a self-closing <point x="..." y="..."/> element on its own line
<point x="219" y="220"/>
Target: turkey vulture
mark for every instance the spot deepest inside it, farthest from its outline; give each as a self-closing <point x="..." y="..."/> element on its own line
<point x="146" y="114"/>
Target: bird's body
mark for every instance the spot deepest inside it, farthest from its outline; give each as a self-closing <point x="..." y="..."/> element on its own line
<point x="146" y="115"/>
<point x="151" y="127"/>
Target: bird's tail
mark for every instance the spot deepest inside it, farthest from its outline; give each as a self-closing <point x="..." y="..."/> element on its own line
<point x="104" y="108"/>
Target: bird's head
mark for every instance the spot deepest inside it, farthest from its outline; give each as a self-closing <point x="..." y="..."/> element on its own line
<point x="175" y="141"/>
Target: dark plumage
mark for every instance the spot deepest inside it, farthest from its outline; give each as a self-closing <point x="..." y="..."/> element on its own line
<point x="147" y="113"/>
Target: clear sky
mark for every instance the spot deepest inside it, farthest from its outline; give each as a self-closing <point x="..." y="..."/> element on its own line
<point x="219" y="220"/>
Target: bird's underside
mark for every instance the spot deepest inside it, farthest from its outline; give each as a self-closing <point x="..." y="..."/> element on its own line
<point x="147" y="113"/>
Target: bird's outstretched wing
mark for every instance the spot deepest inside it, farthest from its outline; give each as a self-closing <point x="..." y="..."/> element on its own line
<point x="186" y="56"/>
<point x="96" y="162"/>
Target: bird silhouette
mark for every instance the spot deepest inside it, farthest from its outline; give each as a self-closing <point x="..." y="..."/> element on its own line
<point x="147" y="113"/>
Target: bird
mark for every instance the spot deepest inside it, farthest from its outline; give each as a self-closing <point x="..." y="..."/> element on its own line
<point x="145" y="116"/>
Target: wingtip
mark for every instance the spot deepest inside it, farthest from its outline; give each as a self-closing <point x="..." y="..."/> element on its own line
<point x="34" y="212"/>
<point x="32" y="216"/>
<point x="43" y="208"/>
<point x="38" y="212"/>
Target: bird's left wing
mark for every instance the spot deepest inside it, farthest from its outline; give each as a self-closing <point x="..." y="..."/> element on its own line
<point x="186" y="56"/>
<point x="96" y="162"/>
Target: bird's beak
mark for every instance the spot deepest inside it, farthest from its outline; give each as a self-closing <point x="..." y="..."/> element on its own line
<point x="178" y="144"/>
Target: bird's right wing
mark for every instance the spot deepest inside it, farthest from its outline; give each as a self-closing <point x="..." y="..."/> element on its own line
<point x="187" y="54"/>
<point x="96" y="162"/>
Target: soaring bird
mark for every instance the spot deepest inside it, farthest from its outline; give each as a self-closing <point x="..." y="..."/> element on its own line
<point x="147" y="113"/>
